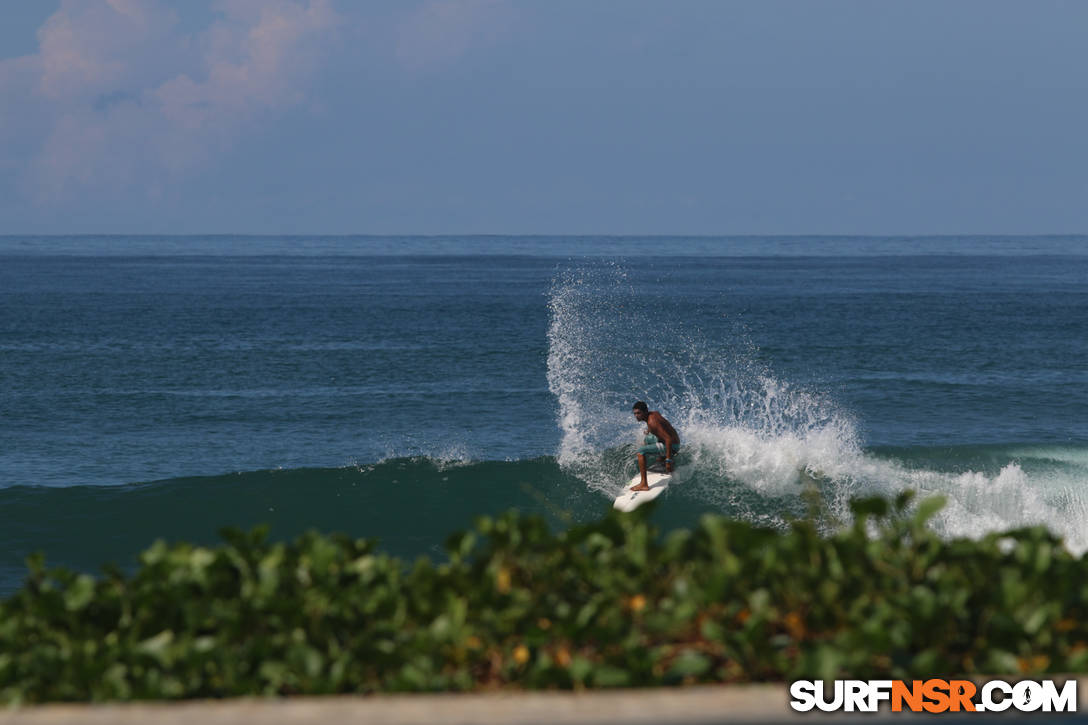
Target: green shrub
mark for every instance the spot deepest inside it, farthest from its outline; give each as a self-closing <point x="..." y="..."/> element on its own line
<point x="517" y="605"/>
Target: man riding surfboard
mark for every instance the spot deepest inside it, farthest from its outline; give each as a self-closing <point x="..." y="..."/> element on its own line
<point x="665" y="443"/>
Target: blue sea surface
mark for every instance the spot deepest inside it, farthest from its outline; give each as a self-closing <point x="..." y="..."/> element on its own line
<point x="398" y="386"/>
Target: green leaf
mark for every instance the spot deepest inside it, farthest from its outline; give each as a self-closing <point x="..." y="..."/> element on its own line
<point x="688" y="664"/>
<point x="608" y="676"/>
<point x="928" y="508"/>
<point x="872" y="506"/>
<point x="157" y="646"/>
<point x="80" y="593"/>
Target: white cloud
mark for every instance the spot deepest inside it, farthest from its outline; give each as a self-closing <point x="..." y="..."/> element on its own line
<point x="258" y="58"/>
<point x="87" y="48"/>
<point x="120" y="102"/>
<point x="129" y="99"/>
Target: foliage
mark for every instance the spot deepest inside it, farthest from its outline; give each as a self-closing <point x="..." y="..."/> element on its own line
<point x="517" y="605"/>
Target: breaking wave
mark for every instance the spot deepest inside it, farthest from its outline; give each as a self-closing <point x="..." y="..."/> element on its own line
<point x="753" y="442"/>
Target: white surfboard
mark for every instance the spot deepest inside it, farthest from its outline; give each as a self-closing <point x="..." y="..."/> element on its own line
<point x="629" y="500"/>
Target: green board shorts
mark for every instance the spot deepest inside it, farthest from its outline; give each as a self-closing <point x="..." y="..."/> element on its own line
<point x="654" y="447"/>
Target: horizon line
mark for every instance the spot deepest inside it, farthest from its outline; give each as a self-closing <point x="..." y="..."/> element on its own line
<point x="570" y="235"/>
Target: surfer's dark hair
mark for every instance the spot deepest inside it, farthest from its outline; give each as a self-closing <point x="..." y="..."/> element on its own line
<point x="641" y="406"/>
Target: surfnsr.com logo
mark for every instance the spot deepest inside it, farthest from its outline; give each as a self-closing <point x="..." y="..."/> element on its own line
<point x="933" y="696"/>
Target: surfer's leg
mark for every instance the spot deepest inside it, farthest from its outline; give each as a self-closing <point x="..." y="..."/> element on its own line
<point x="643" y="486"/>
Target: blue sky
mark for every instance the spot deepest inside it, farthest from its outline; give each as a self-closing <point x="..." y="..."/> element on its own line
<point x="544" y="117"/>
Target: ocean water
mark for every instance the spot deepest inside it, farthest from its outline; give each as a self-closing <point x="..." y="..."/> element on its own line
<point x="398" y="387"/>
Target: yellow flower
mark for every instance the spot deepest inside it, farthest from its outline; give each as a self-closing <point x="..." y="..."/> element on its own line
<point x="795" y="625"/>
<point x="521" y="654"/>
<point x="502" y="580"/>
<point x="637" y="603"/>
<point x="1036" y="663"/>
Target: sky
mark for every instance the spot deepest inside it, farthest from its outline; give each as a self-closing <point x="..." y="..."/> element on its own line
<point x="713" y="117"/>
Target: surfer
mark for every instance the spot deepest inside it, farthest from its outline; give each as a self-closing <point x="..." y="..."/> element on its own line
<point x="665" y="443"/>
